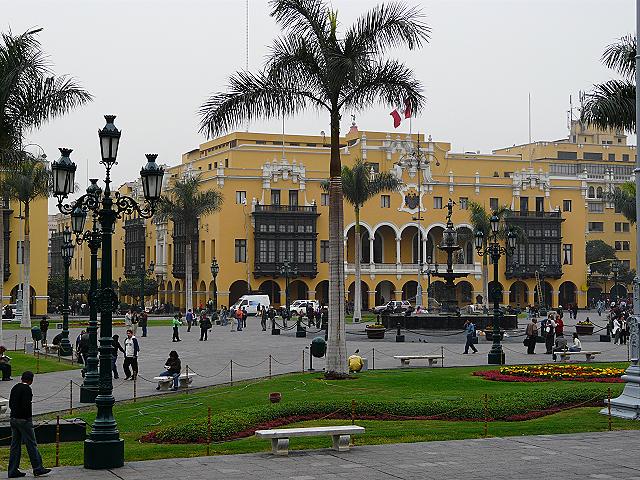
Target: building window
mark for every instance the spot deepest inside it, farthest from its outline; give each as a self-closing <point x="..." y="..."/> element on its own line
<point x="596" y="226"/>
<point x="599" y="192"/>
<point x="567" y="254"/>
<point x="209" y="166"/>
<point x="464" y="203"/>
<point x="619" y="226"/>
<point x="241" y="197"/>
<point x="293" y="198"/>
<point x="595" y="208"/>
<point x="215" y="164"/>
<point x="275" y="197"/>
<point x="567" y="155"/>
<point x="566" y="205"/>
<point x="324" y="251"/>
<point x="241" y="250"/>
<point x="226" y="163"/>
<point x="626" y="264"/>
<point x="625" y="157"/>
<point x="324" y="199"/>
<point x="625" y="227"/>
<point x="385" y="201"/>
<point x="612" y="157"/>
<point x="493" y="204"/>
<point x="626" y="245"/>
<point x="437" y="203"/>
<point x="591" y="193"/>
<point x="592" y="156"/>
<point x="618" y="245"/>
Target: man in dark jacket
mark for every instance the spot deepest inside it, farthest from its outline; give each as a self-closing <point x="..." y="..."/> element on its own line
<point x="173" y="368"/>
<point x="143" y="320"/>
<point x="22" y="429"/>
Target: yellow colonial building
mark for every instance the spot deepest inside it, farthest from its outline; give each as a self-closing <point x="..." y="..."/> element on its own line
<point x="275" y="210"/>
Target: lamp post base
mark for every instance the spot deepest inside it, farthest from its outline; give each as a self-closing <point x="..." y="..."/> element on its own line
<point x="88" y="394"/>
<point x="65" y="348"/>
<point x="496" y="358"/>
<point x="103" y="455"/>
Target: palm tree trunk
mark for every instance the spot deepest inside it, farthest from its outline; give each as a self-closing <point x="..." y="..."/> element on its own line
<point x="188" y="277"/>
<point x="26" y="259"/>
<point x="1" y="256"/>
<point x="336" y="365"/>
<point x="357" y="294"/>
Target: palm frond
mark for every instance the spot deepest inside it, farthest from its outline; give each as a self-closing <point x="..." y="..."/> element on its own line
<point x="621" y="56"/>
<point x="308" y="19"/>
<point x="186" y="203"/>
<point x="611" y="105"/>
<point x="28" y="181"/>
<point x="624" y="199"/>
<point x="360" y="184"/>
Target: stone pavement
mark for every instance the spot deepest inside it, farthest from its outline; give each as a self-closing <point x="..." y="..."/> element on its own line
<point x="250" y="350"/>
<point x="605" y="455"/>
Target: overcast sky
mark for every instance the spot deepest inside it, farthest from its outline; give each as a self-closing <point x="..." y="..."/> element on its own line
<point x="153" y="62"/>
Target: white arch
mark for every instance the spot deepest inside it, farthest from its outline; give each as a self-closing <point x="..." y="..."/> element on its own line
<point x="390" y="225"/>
<point x="412" y="224"/>
<point x="353" y="224"/>
<point x="434" y="225"/>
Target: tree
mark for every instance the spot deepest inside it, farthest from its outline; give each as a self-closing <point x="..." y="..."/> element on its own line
<point x="613" y="104"/>
<point x="131" y="287"/>
<point x="480" y="221"/>
<point x="597" y="251"/>
<point x="311" y="66"/>
<point x="30" y="95"/>
<point x="624" y="199"/>
<point x="185" y="204"/>
<point x="29" y="181"/>
<point x="360" y="184"/>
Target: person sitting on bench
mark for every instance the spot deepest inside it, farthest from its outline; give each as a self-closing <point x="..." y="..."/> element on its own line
<point x="560" y="346"/>
<point x="577" y="344"/>
<point x="173" y="367"/>
<point x="5" y="364"/>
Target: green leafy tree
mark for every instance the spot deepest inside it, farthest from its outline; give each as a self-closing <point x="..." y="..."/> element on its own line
<point x="29" y="181"/>
<point x="30" y="95"/>
<point x="597" y="254"/>
<point x="359" y="185"/>
<point x="612" y="104"/>
<point x="624" y="199"/>
<point x="312" y="66"/>
<point x="131" y="287"/>
<point x="185" y="203"/>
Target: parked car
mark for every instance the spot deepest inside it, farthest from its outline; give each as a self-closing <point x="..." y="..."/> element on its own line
<point x="396" y="306"/>
<point x="300" y="306"/>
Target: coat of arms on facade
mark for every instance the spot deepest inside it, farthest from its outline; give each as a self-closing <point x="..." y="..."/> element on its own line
<point x="411" y="200"/>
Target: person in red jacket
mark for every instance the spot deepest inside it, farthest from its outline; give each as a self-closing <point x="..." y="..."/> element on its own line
<point x="559" y="327"/>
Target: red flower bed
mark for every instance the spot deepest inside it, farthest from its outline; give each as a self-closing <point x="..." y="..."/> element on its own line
<point x="495" y="375"/>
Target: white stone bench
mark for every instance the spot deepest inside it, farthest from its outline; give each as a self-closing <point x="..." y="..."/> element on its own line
<point x="280" y="436"/>
<point x="404" y="359"/>
<point x="589" y="355"/>
<point x="4" y="408"/>
<point x="51" y="348"/>
<point x="166" y="382"/>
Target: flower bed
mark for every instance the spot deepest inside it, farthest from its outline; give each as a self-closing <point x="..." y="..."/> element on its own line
<point x="543" y="373"/>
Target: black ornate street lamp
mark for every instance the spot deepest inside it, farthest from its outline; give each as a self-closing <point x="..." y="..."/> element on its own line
<point x="67" y="255"/>
<point x="91" y="385"/>
<point x="104" y="449"/>
<point x="215" y="269"/>
<point x="494" y="250"/>
<point x="615" y="268"/>
<point x="142" y="271"/>
<point x="287" y="270"/>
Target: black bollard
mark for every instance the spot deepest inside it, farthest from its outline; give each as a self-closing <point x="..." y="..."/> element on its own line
<point x="399" y="338"/>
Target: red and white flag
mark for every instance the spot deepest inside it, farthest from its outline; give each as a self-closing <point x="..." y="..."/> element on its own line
<point x="400" y="113"/>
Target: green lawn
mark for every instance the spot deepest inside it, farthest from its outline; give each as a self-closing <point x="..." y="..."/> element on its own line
<point x="453" y="391"/>
<point x="27" y="361"/>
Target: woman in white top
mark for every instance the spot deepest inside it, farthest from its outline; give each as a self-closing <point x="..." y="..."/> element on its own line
<point x="577" y="344"/>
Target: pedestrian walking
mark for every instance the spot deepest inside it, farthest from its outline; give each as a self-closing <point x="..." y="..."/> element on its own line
<point x="239" y="321"/>
<point x="176" y="323"/>
<point x="143" y="322"/>
<point x="205" y="325"/>
<point x="263" y="318"/>
<point x="549" y="333"/>
<point x="189" y="318"/>
<point x="20" y="403"/>
<point x="559" y="327"/>
<point x="244" y="317"/>
<point x="617" y="329"/>
<point x="128" y="317"/>
<point x="470" y="330"/>
<point x="5" y="364"/>
<point x="532" y="336"/>
<point x="131" y="350"/>
<point x="134" y="322"/>
<point x="44" y="327"/>
<point x="114" y="357"/>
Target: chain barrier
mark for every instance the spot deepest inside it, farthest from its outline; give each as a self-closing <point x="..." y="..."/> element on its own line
<point x="214" y="375"/>
<point x="250" y="366"/>
<point x="283" y="363"/>
<point x="50" y="396"/>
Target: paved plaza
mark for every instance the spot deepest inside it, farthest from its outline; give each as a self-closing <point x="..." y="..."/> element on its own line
<point x="605" y="455"/>
<point x="250" y="350"/>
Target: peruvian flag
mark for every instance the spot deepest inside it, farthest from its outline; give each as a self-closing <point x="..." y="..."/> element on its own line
<point x="399" y="113"/>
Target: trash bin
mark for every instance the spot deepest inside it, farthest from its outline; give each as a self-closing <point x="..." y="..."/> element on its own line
<point x="36" y="334"/>
<point x="318" y="347"/>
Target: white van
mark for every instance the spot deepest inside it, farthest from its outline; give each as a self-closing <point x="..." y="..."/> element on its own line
<point x="251" y="302"/>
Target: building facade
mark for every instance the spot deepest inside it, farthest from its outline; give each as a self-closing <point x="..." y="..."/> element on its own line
<point x="275" y="210"/>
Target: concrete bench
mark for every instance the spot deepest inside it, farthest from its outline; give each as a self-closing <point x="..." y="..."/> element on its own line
<point x="51" y="348"/>
<point x="404" y="359"/>
<point x="280" y="436"/>
<point x="4" y="408"/>
<point x="166" y="382"/>
<point x="589" y="355"/>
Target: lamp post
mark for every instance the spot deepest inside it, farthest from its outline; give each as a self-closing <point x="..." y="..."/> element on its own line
<point x="494" y="250"/>
<point x="287" y="271"/>
<point x="542" y="269"/>
<point x="67" y="255"/>
<point x="215" y="268"/>
<point x="104" y="449"/>
<point x="143" y="273"/>
<point x="429" y="259"/>
<point x="90" y="386"/>
<point x="615" y="268"/>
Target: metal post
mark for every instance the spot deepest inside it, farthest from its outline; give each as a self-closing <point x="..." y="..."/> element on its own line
<point x="269" y="365"/>
<point x="187" y="379"/>
<point x="135" y="388"/>
<point x="208" y="429"/>
<point x="496" y="355"/>
<point x="142" y="275"/>
<point x="231" y="371"/>
<point x="373" y="359"/>
<point x="57" y="440"/>
<point x="70" y="397"/>
<point x="609" y="406"/>
<point x="486" y="415"/>
<point x="65" y="346"/>
<point x="90" y="386"/>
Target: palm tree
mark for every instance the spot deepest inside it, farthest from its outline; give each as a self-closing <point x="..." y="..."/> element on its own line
<point x="184" y="205"/>
<point x="29" y="181"/>
<point x="480" y="220"/>
<point x="310" y="66"/>
<point x="360" y="184"/>
<point x="624" y="199"/>
<point x="30" y="95"/>
<point x="613" y="104"/>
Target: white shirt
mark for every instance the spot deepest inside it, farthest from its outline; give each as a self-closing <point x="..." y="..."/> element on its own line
<point x="129" y="350"/>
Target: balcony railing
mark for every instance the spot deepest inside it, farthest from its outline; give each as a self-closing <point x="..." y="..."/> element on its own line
<point x="262" y="269"/>
<point x="529" y="271"/>
<point x="410" y="268"/>
<point x="286" y="208"/>
<point x="535" y="214"/>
